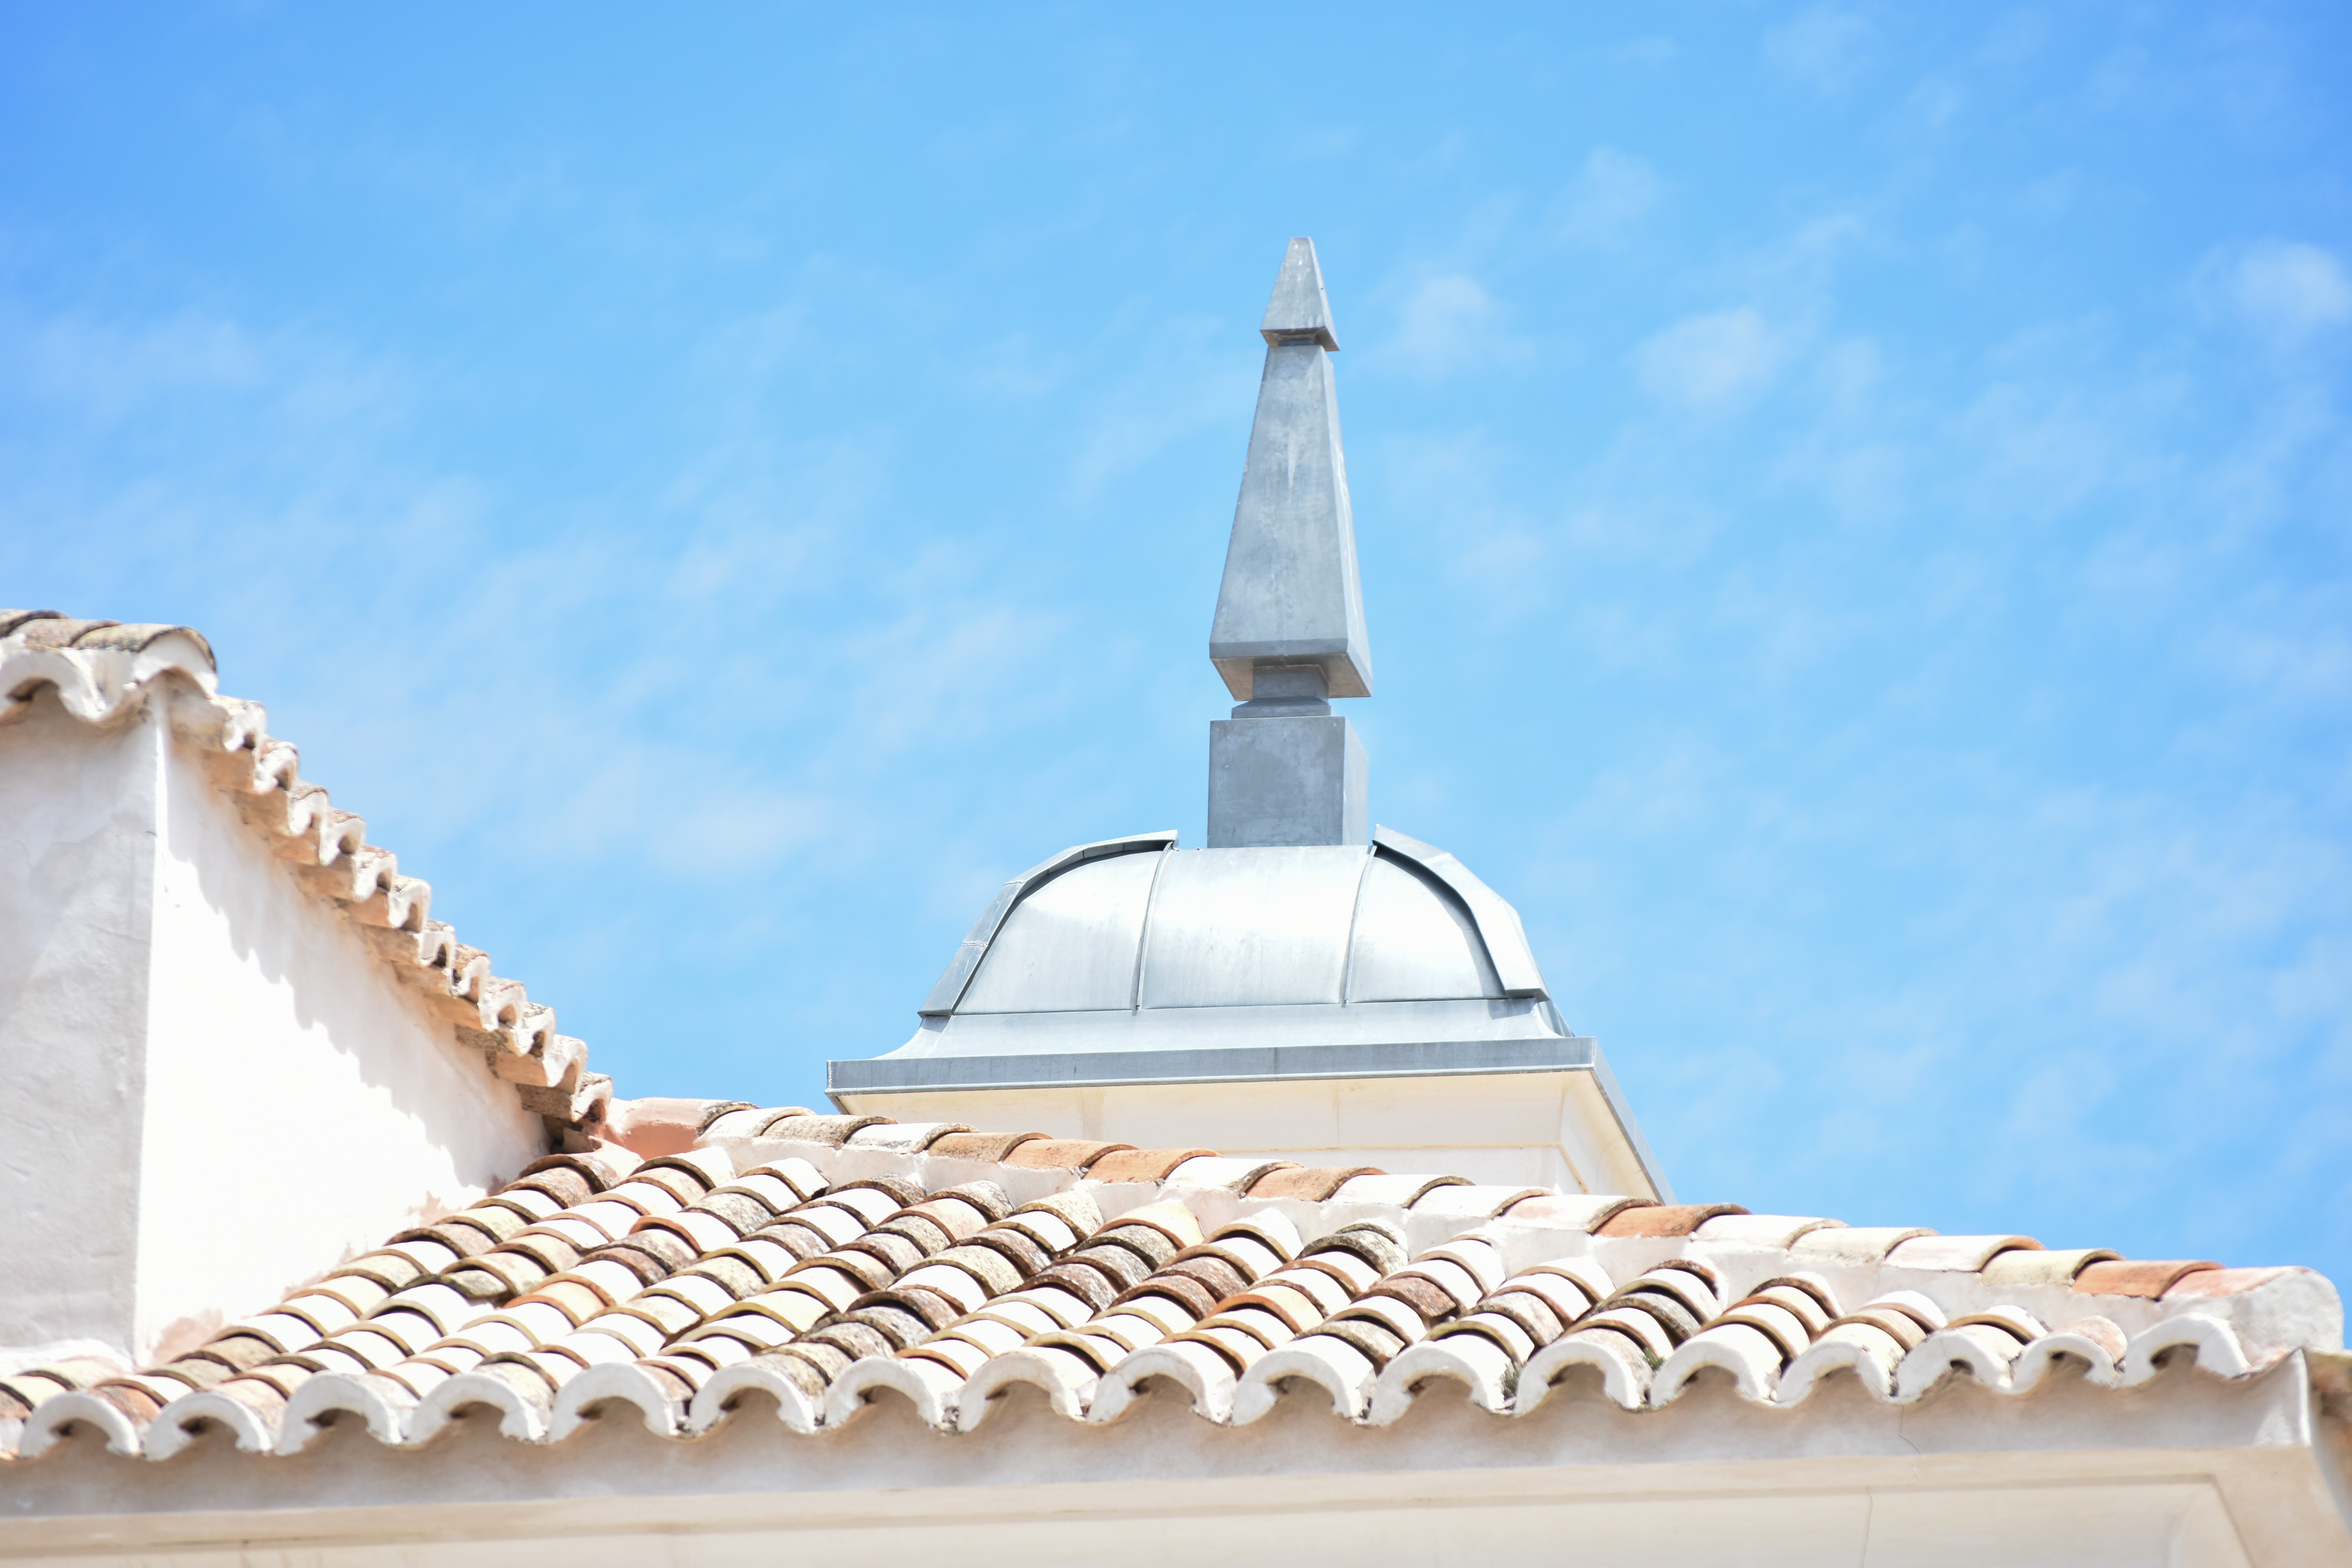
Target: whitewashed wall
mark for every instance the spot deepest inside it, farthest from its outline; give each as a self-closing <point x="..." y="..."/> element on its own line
<point x="215" y="1088"/>
<point x="2198" y="1473"/>
<point x="1532" y="1129"/>
<point x="78" y="810"/>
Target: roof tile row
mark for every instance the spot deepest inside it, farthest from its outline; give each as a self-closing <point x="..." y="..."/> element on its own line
<point x="682" y="1285"/>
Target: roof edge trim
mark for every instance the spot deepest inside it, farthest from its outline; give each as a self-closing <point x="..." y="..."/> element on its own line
<point x="1614" y="1097"/>
<point x="957" y="976"/>
<point x="1214" y="1063"/>
<point x="1497" y="922"/>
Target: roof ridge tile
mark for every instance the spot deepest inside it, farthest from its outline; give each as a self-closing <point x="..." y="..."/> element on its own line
<point x="102" y="670"/>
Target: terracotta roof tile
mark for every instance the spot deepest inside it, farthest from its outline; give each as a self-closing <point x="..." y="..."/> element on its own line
<point x="1571" y="1211"/>
<point x="1424" y="1297"/>
<point x="1854" y="1244"/>
<point x="824" y="1294"/>
<point x="2136" y="1277"/>
<point x="1471" y="1201"/>
<point x="1745" y="1229"/>
<point x="1403" y="1191"/>
<point x="1960" y="1254"/>
<point x="904" y="1137"/>
<point x="1218" y="1273"/>
<point x="1216" y="1171"/>
<point x="1313" y="1184"/>
<point x="2205" y="1283"/>
<point x="1663" y="1219"/>
<point x="829" y="1130"/>
<point x="744" y="1120"/>
<point x="719" y="1108"/>
<point x="1060" y="1153"/>
<point x="2041" y="1266"/>
<point x="987" y="1148"/>
<point x="1142" y="1165"/>
<point x="1378" y="1247"/>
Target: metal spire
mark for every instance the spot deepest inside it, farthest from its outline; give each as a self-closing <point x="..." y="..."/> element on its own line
<point x="1289" y="630"/>
<point x="1291" y="595"/>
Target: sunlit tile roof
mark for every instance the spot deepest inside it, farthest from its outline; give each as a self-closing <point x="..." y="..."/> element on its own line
<point x="808" y="1265"/>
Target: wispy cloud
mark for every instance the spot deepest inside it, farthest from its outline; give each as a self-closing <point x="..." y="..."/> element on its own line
<point x="1650" y="51"/>
<point x="1712" y="363"/>
<point x="2291" y="291"/>
<point x="1612" y="192"/>
<point x="1822" y="48"/>
<point x="718" y="679"/>
<point x="1447" y="323"/>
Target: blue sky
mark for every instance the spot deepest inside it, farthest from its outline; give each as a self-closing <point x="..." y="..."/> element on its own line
<point x="1855" y="509"/>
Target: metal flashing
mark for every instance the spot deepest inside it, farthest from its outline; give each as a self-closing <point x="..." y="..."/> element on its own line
<point x="1217" y="1064"/>
<point x="1497" y="922"/>
<point x="949" y="988"/>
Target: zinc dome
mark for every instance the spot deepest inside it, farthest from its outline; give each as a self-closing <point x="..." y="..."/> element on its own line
<point x="1307" y="985"/>
<point x="1135" y="960"/>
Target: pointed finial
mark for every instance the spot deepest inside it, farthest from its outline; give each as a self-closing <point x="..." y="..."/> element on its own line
<point x="1299" y="310"/>
<point x="1291" y="598"/>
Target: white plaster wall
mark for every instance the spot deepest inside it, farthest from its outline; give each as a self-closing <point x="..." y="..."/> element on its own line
<point x="2154" y="1525"/>
<point x="302" y="1105"/>
<point x="76" y="862"/>
<point x="1538" y="1130"/>
<point x="211" y="1085"/>
<point x="2197" y="1474"/>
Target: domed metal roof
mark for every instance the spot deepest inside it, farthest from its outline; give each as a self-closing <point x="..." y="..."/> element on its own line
<point x="1137" y="924"/>
<point x="1327" y="923"/>
<point x="1158" y="963"/>
<point x="1290" y="949"/>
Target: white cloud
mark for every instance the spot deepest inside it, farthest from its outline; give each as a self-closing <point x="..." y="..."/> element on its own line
<point x="1653" y="51"/>
<point x="94" y="371"/>
<point x="1716" y="361"/>
<point x="1447" y="322"/>
<point x="2291" y="290"/>
<point x="1182" y="381"/>
<point x="1851" y="372"/>
<point x="1613" y="192"/>
<point x="1821" y="47"/>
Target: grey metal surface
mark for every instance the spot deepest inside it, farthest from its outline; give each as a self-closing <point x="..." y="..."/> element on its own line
<point x="1280" y="690"/>
<point x="1291" y="592"/>
<point x="1212" y="1028"/>
<point x="1293" y="779"/>
<point x="1410" y="1058"/>
<point x="1499" y="922"/>
<point x="1414" y="942"/>
<point x="1299" y="307"/>
<point x="1070" y="945"/>
<point x="1308" y="944"/>
<point x="950" y="987"/>
<point x="1238" y="927"/>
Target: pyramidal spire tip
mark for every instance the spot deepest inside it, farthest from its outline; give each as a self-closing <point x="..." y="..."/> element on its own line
<point x="1299" y="310"/>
